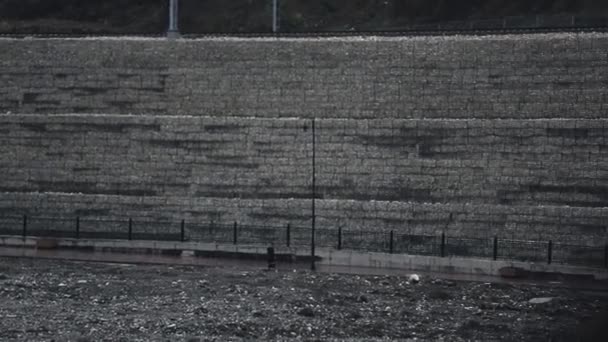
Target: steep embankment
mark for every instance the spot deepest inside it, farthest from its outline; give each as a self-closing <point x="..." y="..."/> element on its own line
<point x="475" y="135"/>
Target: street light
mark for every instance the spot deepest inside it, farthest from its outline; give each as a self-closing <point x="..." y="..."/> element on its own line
<point x="275" y="16"/>
<point x="314" y="195"/>
<point x="173" y="31"/>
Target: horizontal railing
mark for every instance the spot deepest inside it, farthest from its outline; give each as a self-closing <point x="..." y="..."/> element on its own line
<point x="393" y="242"/>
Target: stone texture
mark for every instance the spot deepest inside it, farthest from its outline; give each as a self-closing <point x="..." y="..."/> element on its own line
<point x="477" y="136"/>
<point x="520" y="76"/>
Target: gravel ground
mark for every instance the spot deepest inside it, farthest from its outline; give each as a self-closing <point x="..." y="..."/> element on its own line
<point x="45" y="300"/>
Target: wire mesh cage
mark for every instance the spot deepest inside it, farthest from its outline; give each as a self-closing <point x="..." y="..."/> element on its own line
<point x="92" y="228"/>
<point x="11" y="225"/>
<point x="57" y="227"/>
<point x="417" y="244"/>
<point x="469" y="247"/>
<point x="529" y="251"/>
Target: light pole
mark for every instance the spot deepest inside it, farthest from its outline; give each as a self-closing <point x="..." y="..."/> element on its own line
<point x="275" y="16"/>
<point x="314" y="195"/>
<point x="173" y="31"/>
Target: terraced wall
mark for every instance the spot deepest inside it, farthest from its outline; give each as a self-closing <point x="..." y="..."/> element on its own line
<point x="483" y="136"/>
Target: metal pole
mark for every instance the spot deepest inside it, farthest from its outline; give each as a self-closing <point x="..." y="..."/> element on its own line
<point x="495" y="251"/>
<point x="275" y="16"/>
<point x="314" y="195"/>
<point x="130" y="229"/>
<point x="183" y="231"/>
<point x="77" y="227"/>
<point x="391" y="242"/>
<point x="234" y="234"/>
<point x="24" y="226"/>
<point x="339" y="238"/>
<point x="288" y="234"/>
<point x="173" y="31"/>
<point x="443" y="245"/>
<point x="550" y="252"/>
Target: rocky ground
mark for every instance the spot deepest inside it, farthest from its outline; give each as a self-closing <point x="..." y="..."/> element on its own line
<point x="45" y="300"/>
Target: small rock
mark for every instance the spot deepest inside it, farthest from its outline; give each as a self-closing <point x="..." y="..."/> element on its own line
<point x="413" y="278"/>
<point x="306" y="312"/>
<point x="363" y="299"/>
<point x="540" y="300"/>
<point x="355" y="315"/>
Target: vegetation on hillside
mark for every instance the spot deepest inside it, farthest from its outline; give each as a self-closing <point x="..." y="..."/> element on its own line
<point x="150" y="16"/>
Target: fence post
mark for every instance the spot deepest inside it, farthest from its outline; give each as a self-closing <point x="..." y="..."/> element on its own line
<point x="78" y="227"/>
<point x="130" y="228"/>
<point x="443" y="244"/>
<point x="183" y="231"/>
<point x="495" y="252"/>
<point x="24" y="233"/>
<point x="339" y="238"/>
<point x="275" y="16"/>
<point x="288" y="235"/>
<point x="234" y="233"/>
<point x="549" y="252"/>
<point x="173" y="30"/>
<point x="391" y="242"/>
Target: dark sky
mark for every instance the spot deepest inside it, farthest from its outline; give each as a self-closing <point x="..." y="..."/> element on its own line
<point x="254" y="15"/>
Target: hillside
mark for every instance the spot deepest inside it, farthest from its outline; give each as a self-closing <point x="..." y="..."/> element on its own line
<point x="136" y="16"/>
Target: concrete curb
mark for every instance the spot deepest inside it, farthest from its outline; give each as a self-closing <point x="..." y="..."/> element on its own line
<point x="328" y="258"/>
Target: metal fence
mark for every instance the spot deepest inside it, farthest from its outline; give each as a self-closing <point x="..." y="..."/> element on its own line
<point x="293" y="236"/>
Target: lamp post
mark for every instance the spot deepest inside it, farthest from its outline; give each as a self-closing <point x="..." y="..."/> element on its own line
<point x="314" y="195"/>
<point x="275" y="16"/>
<point x="173" y="31"/>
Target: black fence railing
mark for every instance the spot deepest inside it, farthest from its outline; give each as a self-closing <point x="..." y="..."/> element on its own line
<point x="291" y="236"/>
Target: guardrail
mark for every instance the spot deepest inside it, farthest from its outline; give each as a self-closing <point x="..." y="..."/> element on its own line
<point x="393" y="242"/>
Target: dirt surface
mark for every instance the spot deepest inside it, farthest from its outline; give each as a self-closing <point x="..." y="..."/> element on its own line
<point x="44" y="300"/>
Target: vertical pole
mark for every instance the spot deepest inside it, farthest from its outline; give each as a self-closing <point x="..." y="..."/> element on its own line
<point x="314" y="194"/>
<point x="234" y="233"/>
<point x="443" y="245"/>
<point x="288" y="234"/>
<point x="78" y="227"/>
<point x="173" y="31"/>
<point x="183" y="231"/>
<point x="495" y="252"/>
<point x="130" y="229"/>
<point x="24" y="233"/>
<point x="550" y="252"/>
<point x="606" y="256"/>
<point x="275" y="16"/>
<point x="339" y="238"/>
<point x="391" y="242"/>
<point x="211" y="230"/>
<point x="272" y="263"/>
